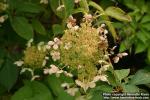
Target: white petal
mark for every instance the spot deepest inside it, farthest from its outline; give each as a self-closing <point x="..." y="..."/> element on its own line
<point x="34" y="77"/>
<point x="44" y="63"/>
<point x="124" y="54"/>
<point x="103" y="25"/>
<point x="103" y="78"/>
<point x="72" y="91"/>
<point x="116" y="59"/>
<point x="65" y="85"/>
<point x="92" y="84"/>
<point x="79" y="83"/>
<point x="55" y="46"/>
<point x="50" y="43"/>
<point x="48" y="47"/>
<point x="19" y="63"/>
<point x="46" y="71"/>
<point x="105" y="31"/>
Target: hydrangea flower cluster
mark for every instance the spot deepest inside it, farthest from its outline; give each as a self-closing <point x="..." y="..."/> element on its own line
<point x="81" y="48"/>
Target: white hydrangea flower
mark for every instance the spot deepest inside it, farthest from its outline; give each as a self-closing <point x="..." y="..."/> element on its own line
<point x="103" y="25"/>
<point x="65" y="85"/>
<point x="53" y="69"/>
<point x="55" y="44"/>
<point x="2" y="19"/>
<point x="88" y="17"/>
<point x="27" y="69"/>
<point x="103" y="78"/>
<point x="100" y="77"/>
<point x="105" y="67"/>
<point x="85" y="86"/>
<point x="68" y="74"/>
<point x="19" y="63"/>
<point x="69" y="25"/>
<point x="55" y="55"/>
<point x="46" y="71"/>
<point x="105" y="31"/>
<point x="71" y="22"/>
<point x="119" y="55"/>
<point x="50" y="43"/>
<point x="44" y="1"/>
<point x="72" y="91"/>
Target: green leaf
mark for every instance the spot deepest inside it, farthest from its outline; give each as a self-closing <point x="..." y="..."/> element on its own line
<point x="54" y="6"/>
<point x="78" y="10"/>
<point x="54" y="84"/>
<point x="140" y="3"/>
<point x="111" y="78"/>
<point x="57" y="29"/>
<point x="84" y="5"/>
<point x="118" y="14"/>
<point x="97" y="95"/>
<point x="69" y="5"/>
<point x="22" y="27"/>
<point x="65" y="79"/>
<point x="65" y="96"/>
<point x="146" y="26"/>
<point x="142" y="35"/>
<point x="140" y="77"/>
<point x="123" y="46"/>
<point x="140" y="47"/>
<point x="145" y="19"/>
<point x="38" y="27"/>
<point x="130" y="88"/>
<point x="8" y="74"/>
<point x="33" y="91"/>
<point x="2" y="90"/>
<point x="66" y="7"/>
<point x="29" y="7"/>
<point x="148" y="54"/>
<point x="104" y="88"/>
<point x="130" y="4"/>
<point x="121" y="74"/>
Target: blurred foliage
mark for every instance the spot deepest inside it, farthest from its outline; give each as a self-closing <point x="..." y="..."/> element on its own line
<point x="128" y="22"/>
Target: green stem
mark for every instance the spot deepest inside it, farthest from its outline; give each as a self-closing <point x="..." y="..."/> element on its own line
<point x="105" y="17"/>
